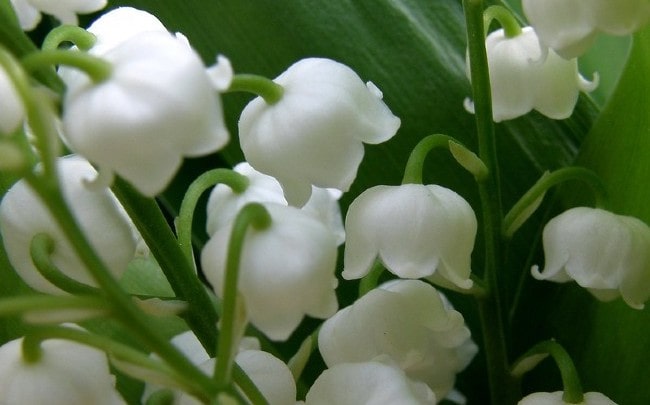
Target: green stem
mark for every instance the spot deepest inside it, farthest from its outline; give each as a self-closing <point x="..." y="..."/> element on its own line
<point x="537" y="191"/>
<point x="503" y="388"/>
<point x="573" y="393"/>
<point x="511" y="27"/>
<point x="264" y="87"/>
<point x="252" y="215"/>
<point x="46" y="303"/>
<point x="123" y="307"/>
<point x="41" y="249"/>
<point x="415" y="164"/>
<point x="81" y="38"/>
<point x="39" y="115"/>
<point x="150" y="221"/>
<point x="232" y="179"/>
<point x="299" y="360"/>
<point x="96" y="68"/>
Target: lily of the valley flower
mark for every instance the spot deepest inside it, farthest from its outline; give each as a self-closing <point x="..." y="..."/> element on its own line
<point x="526" y="76"/>
<point x="430" y="345"/>
<point x="286" y="270"/>
<point x="224" y="204"/>
<point x="110" y="232"/>
<point x="269" y="374"/>
<point x="415" y="230"/>
<point x="571" y="26"/>
<point x="157" y="106"/>
<point x="67" y="373"/>
<point x="12" y="110"/>
<point x="555" y="398"/>
<point x="371" y="383"/>
<point x="314" y="134"/>
<point x="29" y="11"/>
<point x="606" y="253"/>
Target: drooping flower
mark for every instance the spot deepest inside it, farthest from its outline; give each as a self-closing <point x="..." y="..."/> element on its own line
<point x="286" y="271"/>
<point x="29" y="11"/>
<point x="415" y="230"/>
<point x="555" y="398"/>
<point x="224" y="203"/>
<point x="269" y="374"/>
<point x="12" y="110"/>
<point x="431" y="346"/>
<point x="371" y="383"/>
<point x="157" y="106"/>
<point x="67" y="373"/>
<point x="570" y="26"/>
<point x="526" y="76"/>
<point x="607" y="254"/>
<point x="110" y="232"/>
<point x="314" y="134"/>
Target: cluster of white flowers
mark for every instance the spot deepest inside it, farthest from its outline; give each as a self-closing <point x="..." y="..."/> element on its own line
<point x="160" y="104"/>
<point x="537" y="67"/>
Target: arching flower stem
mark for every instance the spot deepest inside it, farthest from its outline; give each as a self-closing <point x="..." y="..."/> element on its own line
<point x="511" y="221"/>
<point x="78" y="36"/>
<point x="41" y="248"/>
<point x="573" y="393"/>
<point x="232" y="179"/>
<point x="505" y="18"/>
<point x="96" y="68"/>
<point x="465" y="157"/>
<point x="261" y="86"/>
<point x="252" y="215"/>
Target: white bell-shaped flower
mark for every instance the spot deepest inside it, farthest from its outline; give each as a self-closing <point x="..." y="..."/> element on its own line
<point x="12" y="110"/>
<point x="269" y="374"/>
<point x="314" y="134"/>
<point x="555" y="398"/>
<point x="286" y="270"/>
<point x="410" y="322"/>
<point x="224" y="203"/>
<point x="29" y="11"/>
<point x="103" y="220"/>
<point x="157" y="107"/>
<point x="606" y="253"/>
<point x="415" y="230"/>
<point x="67" y="373"/>
<point x="525" y="76"/>
<point x="570" y="26"/>
<point x="369" y="383"/>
